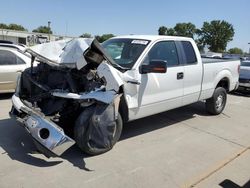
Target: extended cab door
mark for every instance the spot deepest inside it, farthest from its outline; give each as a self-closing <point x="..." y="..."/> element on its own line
<point x="159" y="92"/>
<point x="193" y="71"/>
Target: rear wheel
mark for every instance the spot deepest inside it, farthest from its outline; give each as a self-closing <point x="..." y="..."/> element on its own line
<point x="96" y="139"/>
<point x="216" y="104"/>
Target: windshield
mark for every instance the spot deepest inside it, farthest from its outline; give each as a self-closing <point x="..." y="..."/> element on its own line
<point x="125" y="52"/>
<point x="245" y="63"/>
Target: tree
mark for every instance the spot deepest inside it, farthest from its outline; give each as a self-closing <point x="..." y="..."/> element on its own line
<point x="86" y="35"/>
<point x="180" y="29"/>
<point x="235" y="51"/>
<point x="216" y="35"/>
<point x="166" y="31"/>
<point x="171" y="32"/>
<point x="43" y="29"/>
<point x="16" y="27"/>
<point x="162" y="30"/>
<point x="185" y="29"/>
<point x="12" y="27"/>
<point x="3" y="26"/>
<point x="104" y="37"/>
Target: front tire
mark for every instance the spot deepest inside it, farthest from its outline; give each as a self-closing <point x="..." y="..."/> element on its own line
<point x="216" y="104"/>
<point x="84" y="136"/>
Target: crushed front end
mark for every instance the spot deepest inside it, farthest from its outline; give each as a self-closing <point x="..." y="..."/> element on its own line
<point x="51" y="96"/>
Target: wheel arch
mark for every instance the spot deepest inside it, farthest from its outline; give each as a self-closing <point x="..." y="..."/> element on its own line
<point x="224" y="79"/>
<point x="123" y="107"/>
<point x="224" y="83"/>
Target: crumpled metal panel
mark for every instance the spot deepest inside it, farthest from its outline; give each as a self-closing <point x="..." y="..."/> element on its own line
<point x="56" y="141"/>
<point x="102" y="96"/>
<point x="64" y="52"/>
<point x="111" y="75"/>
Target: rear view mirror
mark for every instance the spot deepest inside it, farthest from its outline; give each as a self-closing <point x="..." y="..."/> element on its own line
<point x="155" y="66"/>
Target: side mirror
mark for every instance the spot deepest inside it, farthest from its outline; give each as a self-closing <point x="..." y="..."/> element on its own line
<point x="155" y="66"/>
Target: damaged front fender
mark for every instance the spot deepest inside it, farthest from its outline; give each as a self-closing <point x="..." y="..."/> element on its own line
<point x="71" y="78"/>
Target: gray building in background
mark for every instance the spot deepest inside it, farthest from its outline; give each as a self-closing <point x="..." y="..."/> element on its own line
<point x="29" y="38"/>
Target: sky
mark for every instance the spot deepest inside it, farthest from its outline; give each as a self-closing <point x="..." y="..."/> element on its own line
<point x="75" y="17"/>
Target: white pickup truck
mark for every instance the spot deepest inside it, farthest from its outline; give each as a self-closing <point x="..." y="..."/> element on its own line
<point x="84" y="92"/>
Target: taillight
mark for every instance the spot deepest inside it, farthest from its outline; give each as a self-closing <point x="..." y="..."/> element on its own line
<point x="238" y="69"/>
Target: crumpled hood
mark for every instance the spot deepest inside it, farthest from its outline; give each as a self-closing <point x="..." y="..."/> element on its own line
<point x="69" y="53"/>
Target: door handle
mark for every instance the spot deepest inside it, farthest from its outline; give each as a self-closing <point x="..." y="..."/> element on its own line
<point x="19" y="71"/>
<point x="180" y="75"/>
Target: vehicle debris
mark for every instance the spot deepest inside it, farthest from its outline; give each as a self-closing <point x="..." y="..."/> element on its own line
<point x="73" y="78"/>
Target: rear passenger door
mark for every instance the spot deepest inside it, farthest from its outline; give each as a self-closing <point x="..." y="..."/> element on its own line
<point x="192" y="72"/>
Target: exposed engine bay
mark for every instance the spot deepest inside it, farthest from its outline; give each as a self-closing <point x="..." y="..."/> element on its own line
<point x="73" y="101"/>
<point x="38" y="86"/>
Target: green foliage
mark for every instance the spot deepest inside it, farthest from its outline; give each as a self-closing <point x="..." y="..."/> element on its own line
<point x="166" y="31"/>
<point x="180" y="29"/>
<point x="43" y="29"/>
<point x="235" y="51"/>
<point x="162" y="30"/>
<point x="86" y="35"/>
<point x="104" y="37"/>
<point x="185" y="29"/>
<point x="216" y="35"/>
<point x="12" y="27"/>
<point x="171" y="32"/>
<point x="3" y="26"/>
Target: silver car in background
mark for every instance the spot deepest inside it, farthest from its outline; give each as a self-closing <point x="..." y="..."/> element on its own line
<point x="13" y="60"/>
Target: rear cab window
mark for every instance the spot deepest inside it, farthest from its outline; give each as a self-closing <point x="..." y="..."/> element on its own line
<point x="189" y="53"/>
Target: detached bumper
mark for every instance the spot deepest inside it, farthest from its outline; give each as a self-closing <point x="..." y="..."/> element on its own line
<point x="45" y="132"/>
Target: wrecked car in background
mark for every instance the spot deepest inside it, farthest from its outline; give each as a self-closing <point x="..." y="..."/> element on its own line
<point x="82" y="92"/>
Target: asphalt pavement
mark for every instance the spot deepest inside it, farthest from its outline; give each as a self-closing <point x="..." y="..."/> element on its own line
<point x="180" y="148"/>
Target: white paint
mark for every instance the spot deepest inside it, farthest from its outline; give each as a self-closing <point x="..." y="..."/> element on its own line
<point x="159" y="92"/>
<point x="65" y="52"/>
<point x="111" y="75"/>
<point x="103" y="96"/>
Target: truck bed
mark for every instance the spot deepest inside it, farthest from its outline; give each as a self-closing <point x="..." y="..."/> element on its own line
<point x="216" y="60"/>
<point x="215" y="70"/>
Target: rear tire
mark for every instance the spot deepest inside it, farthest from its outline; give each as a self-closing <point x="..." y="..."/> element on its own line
<point x="216" y="104"/>
<point x="81" y="133"/>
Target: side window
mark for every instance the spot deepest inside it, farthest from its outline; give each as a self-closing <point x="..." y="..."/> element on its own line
<point x="189" y="52"/>
<point x="19" y="61"/>
<point x="166" y="51"/>
<point x="7" y="58"/>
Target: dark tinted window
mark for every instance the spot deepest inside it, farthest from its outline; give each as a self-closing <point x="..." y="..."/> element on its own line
<point x="7" y="58"/>
<point x="189" y="52"/>
<point x="165" y="51"/>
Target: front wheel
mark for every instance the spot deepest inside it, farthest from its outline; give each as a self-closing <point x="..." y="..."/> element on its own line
<point x="216" y="104"/>
<point x="96" y="132"/>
